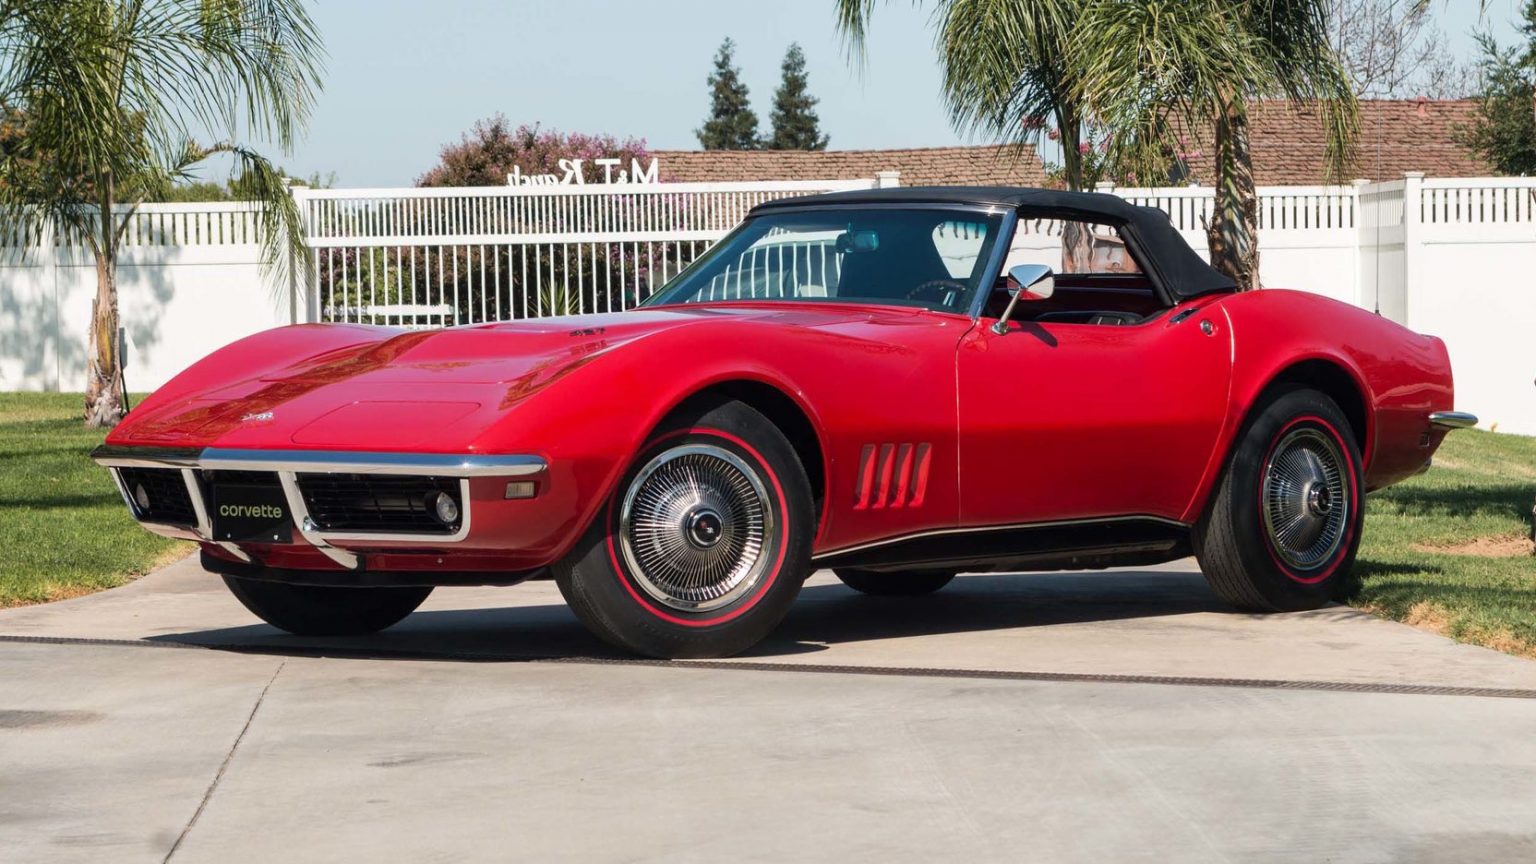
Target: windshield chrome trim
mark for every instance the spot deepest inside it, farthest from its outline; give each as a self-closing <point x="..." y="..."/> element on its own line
<point x="995" y="267"/>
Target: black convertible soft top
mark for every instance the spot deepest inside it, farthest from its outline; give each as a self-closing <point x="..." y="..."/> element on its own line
<point x="1169" y="260"/>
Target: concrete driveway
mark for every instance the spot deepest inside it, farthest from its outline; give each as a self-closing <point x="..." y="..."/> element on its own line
<point x="1116" y="716"/>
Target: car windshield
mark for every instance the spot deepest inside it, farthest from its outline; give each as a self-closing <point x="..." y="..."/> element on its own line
<point x="931" y="258"/>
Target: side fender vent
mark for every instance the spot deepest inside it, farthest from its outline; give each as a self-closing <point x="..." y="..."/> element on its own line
<point x="892" y="475"/>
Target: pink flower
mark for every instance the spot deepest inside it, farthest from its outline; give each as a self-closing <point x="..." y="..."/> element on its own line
<point x="1054" y="135"/>
<point x="1083" y="147"/>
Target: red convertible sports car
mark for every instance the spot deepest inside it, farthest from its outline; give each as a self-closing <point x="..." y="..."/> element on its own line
<point x="897" y="384"/>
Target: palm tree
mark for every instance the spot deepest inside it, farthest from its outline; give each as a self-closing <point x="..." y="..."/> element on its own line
<point x="1150" y="68"/>
<point x="1144" y="69"/>
<point x="1004" y="69"/>
<point x="106" y="95"/>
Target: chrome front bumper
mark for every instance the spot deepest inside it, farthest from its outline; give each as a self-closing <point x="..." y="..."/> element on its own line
<point x="288" y="465"/>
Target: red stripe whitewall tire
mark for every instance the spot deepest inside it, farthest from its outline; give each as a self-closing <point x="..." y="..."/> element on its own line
<point x="1283" y="528"/>
<point x="705" y="542"/>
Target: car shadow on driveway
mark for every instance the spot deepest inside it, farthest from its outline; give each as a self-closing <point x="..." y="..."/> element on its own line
<point x="825" y="615"/>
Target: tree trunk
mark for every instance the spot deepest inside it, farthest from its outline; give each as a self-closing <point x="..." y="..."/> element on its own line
<point x="1070" y="130"/>
<point x="1234" y="227"/>
<point x="104" y="374"/>
<point x="1076" y="253"/>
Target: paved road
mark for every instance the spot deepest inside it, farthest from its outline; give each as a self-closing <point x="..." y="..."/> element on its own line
<point x="975" y="725"/>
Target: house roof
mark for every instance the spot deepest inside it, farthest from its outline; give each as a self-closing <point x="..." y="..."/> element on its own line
<point x="960" y="166"/>
<point x="1289" y="146"/>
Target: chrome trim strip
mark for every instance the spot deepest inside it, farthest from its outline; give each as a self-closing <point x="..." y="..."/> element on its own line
<point x="195" y="492"/>
<point x="324" y="461"/>
<point x="306" y="526"/>
<point x="347" y="462"/>
<point x="1453" y="419"/>
<point x="145" y="457"/>
<point x="986" y="528"/>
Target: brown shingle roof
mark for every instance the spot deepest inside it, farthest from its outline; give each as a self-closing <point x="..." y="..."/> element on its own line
<point x="942" y="166"/>
<point x="1396" y="135"/>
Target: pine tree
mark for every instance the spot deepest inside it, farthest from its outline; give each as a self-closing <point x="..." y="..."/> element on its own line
<point x="795" y="124"/>
<point x="1504" y="129"/>
<point x="731" y="125"/>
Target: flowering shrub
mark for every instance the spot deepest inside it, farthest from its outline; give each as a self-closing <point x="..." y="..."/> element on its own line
<point x="490" y="151"/>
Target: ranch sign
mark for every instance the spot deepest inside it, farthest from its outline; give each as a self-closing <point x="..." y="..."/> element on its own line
<point x="571" y="173"/>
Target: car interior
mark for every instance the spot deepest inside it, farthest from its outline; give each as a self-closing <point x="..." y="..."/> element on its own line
<point x="1097" y="278"/>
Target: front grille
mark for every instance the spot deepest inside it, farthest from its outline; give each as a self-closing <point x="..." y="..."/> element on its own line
<point x="378" y="503"/>
<point x="159" y="495"/>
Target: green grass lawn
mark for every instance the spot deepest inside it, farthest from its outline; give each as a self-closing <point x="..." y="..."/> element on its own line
<point x="1449" y="550"/>
<point x="65" y="529"/>
<point x="1445" y="550"/>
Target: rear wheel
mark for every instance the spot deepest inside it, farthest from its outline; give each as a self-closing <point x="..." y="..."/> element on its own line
<point x="310" y="610"/>
<point x="899" y="584"/>
<point x="1282" y="531"/>
<point x="704" y="544"/>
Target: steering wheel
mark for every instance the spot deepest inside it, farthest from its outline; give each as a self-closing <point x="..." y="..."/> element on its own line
<point x="941" y="291"/>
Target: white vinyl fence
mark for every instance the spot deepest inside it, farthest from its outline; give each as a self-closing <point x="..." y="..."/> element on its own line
<point x="1452" y="257"/>
<point x="189" y="281"/>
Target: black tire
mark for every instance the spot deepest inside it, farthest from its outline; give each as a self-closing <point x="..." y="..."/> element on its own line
<point x="311" y="610"/>
<point x="1295" y="474"/>
<point x="747" y="470"/>
<point x="913" y="583"/>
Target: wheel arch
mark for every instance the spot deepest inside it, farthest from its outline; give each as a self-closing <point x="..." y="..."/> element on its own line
<point x="784" y="411"/>
<point x="1334" y="380"/>
<point x="1333" y="377"/>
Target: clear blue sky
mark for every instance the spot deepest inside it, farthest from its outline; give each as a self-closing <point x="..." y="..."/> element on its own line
<point x="405" y="77"/>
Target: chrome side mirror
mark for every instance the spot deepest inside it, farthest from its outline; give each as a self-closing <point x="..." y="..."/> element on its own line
<point x="1026" y="282"/>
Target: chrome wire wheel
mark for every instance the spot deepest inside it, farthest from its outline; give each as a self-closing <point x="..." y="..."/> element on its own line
<point x="696" y="528"/>
<point x="1305" y="498"/>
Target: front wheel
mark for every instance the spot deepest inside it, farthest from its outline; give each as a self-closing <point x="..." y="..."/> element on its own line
<point x="704" y="544"/>
<point x="913" y="583"/>
<point x="1284" y="526"/>
<point x="311" y="610"/>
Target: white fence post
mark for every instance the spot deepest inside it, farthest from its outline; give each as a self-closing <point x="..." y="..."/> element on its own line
<point x="50" y="255"/>
<point x="1413" y="214"/>
<point x="303" y="281"/>
<point x="1357" y="188"/>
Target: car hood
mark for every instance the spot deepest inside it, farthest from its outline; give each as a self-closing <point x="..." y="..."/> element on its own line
<point x="429" y="390"/>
